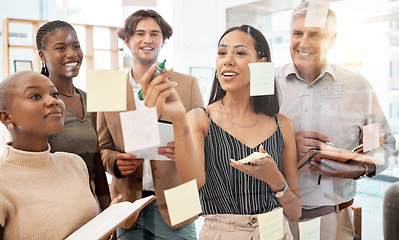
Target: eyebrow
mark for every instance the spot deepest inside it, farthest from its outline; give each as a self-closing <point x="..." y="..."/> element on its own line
<point x="236" y="46"/>
<point x="61" y="43"/>
<point x="141" y="30"/>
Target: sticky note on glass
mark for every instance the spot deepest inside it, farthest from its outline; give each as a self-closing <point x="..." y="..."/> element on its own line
<point x="106" y="90"/>
<point x="371" y="136"/>
<point x="183" y="202"/>
<point x="140" y="129"/>
<point x="310" y="230"/>
<point x="261" y="78"/>
<point x="271" y="225"/>
<point x="316" y="15"/>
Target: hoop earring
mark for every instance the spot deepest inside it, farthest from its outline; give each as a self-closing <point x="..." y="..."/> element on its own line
<point x="217" y="76"/>
<point x="11" y="126"/>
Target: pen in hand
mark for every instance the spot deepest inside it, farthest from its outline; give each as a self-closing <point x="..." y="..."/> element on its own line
<point x="158" y="70"/>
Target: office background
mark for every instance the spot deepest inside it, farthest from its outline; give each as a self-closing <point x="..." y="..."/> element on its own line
<point x="367" y="43"/>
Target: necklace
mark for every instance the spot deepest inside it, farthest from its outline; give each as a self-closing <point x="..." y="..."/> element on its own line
<point x="243" y="126"/>
<point x="68" y="95"/>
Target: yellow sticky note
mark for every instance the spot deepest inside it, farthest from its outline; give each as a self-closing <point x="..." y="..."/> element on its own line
<point x="106" y="90"/>
<point x="183" y="202"/>
<point x="371" y="136"/>
<point x="261" y="78"/>
<point x="310" y="230"/>
<point x="317" y="13"/>
<point x="271" y="225"/>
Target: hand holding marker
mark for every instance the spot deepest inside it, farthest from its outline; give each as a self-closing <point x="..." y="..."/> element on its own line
<point x="158" y="70"/>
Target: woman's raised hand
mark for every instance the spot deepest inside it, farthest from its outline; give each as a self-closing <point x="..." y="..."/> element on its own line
<point x="160" y="93"/>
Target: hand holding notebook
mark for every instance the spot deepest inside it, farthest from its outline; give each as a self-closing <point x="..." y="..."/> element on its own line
<point x="330" y="153"/>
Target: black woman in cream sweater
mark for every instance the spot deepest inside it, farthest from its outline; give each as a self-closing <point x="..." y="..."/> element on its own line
<point x="42" y="195"/>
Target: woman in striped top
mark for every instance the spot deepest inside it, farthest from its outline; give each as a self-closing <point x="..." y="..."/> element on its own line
<point x="233" y="126"/>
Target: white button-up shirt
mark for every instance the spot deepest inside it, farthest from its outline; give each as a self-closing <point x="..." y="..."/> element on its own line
<point x="148" y="183"/>
<point x="337" y="104"/>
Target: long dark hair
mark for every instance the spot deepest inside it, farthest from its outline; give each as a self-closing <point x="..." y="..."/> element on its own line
<point x="267" y="104"/>
<point x="49" y="27"/>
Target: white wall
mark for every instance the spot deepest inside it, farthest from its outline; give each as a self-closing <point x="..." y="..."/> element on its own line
<point x="197" y="27"/>
<point x="196" y="32"/>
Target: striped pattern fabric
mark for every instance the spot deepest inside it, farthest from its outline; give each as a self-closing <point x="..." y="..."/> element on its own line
<point x="228" y="190"/>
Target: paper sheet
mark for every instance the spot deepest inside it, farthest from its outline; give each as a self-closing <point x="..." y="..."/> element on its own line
<point x="271" y="225"/>
<point x="143" y="134"/>
<point x="253" y="156"/>
<point x="109" y="219"/>
<point x="140" y="129"/>
<point x="106" y="90"/>
<point x="183" y="202"/>
<point x="261" y="78"/>
<point x="317" y="13"/>
<point x="166" y="136"/>
<point x="371" y="136"/>
<point x="310" y="230"/>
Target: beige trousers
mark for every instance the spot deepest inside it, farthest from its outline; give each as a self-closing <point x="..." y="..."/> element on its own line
<point x="231" y="227"/>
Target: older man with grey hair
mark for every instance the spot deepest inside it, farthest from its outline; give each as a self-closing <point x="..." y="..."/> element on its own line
<point x="328" y="104"/>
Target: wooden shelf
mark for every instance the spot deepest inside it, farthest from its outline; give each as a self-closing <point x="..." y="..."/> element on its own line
<point x="89" y="40"/>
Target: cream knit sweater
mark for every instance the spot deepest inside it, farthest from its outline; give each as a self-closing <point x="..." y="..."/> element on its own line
<point x="43" y="195"/>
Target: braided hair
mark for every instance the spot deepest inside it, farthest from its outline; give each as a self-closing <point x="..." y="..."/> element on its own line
<point x="49" y="28"/>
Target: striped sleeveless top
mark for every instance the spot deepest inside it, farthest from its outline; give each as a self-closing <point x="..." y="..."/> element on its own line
<point x="228" y="190"/>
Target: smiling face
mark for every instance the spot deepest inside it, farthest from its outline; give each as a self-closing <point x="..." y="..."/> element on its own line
<point x="35" y="108"/>
<point x="309" y="47"/>
<point x="62" y="53"/>
<point x="146" y="42"/>
<point x="236" y="49"/>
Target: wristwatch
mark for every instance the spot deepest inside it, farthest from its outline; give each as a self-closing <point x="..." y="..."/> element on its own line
<point x="281" y="193"/>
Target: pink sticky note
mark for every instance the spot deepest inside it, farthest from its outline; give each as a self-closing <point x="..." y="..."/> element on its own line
<point x="140" y="130"/>
<point x="150" y="3"/>
<point x="317" y="13"/>
<point x="371" y="135"/>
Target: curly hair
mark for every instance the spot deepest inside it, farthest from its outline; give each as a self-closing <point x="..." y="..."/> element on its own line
<point x="131" y="22"/>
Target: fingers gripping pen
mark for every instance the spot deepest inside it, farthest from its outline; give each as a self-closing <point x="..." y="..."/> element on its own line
<point x="158" y="70"/>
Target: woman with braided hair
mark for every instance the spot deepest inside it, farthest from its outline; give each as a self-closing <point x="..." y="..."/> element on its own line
<point x="61" y="57"/>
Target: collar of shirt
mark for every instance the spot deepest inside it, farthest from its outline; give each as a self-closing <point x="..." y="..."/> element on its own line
<point x="132" y="81"/>
<point x="327" y="70"/>
<point x="136" y="88"/>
